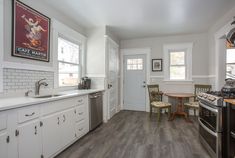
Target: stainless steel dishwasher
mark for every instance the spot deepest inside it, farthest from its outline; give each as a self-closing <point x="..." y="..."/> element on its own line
<point x="96" y="109"/>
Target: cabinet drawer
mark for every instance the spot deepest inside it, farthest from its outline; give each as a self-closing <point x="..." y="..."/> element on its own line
<point x="81" y="100"/>
<point x="58" y="105"/>
<point x="80" y="129"/>
<point x="80" y="113"/>
<point x="3" y="121"/>
<point x="29" y="113"/>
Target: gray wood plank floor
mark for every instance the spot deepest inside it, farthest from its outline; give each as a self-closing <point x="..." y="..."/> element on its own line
<point x="132" y="134"/>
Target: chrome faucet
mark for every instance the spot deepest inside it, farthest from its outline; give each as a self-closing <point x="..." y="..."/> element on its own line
<point x="38" y="84"/>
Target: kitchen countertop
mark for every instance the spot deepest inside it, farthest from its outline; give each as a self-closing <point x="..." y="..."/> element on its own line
<point x="17" y="102"/>
<point x="231" y="101"/>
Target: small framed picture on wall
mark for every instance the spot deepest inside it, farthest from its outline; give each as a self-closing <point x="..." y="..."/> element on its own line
<point x="156" y="64"/>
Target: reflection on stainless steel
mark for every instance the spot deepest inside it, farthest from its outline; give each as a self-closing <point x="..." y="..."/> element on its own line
<point x="212" y="124"/>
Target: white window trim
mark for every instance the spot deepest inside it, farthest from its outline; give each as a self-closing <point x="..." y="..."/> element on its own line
<point x="1" y="44"/>
<point x="61" y="30"/>
<point x="187" y="47"/>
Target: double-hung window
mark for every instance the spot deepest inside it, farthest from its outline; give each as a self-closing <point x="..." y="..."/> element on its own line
<point x="230" y="63"/>
<point x="68" y="62"/>
<point x="178" y="62"/>
<point x="177" y="65"/>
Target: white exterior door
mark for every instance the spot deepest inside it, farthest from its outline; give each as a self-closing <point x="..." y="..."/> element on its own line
<point x="113" y="69"/>
<point x="134" y="84"/>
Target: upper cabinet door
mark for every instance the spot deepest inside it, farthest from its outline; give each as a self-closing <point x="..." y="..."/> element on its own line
<point x="29" y="140"/>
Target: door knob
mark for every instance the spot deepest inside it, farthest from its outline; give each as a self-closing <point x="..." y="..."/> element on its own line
<point x="144" y="82"/>
<point x="143" y="86"/>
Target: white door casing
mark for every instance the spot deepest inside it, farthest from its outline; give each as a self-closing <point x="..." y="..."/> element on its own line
<point x="139" y="51"/>
<point x="112" y="49"/>
<point x="134" y="85"/>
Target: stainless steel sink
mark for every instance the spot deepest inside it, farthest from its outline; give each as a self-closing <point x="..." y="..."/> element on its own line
<point x="48" y="96"/>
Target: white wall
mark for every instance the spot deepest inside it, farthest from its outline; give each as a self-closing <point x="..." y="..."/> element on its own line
<point x="200" y="49"/>
<point x="95" y="52"/>
<point x="199" y="59"/>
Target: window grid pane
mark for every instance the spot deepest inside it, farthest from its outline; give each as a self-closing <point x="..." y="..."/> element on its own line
<point x="177" y="58"/>
<point x="68" y="63"/>
<point x="230" y="63"/>
<point x="68" y="51"/>
<point x="134" y="64"/>
<point x="68" y="74"/>
<point x="177" y="72"/>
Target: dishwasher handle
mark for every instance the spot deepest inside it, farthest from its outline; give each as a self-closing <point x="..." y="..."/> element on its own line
<point x="94" y="96"/>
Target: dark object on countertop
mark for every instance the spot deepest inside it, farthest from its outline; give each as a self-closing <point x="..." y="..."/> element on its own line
<point x="85" y="83"/>
<point x="228" y="90"/>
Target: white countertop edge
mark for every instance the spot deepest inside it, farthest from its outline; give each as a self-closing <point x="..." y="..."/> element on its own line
<point x="18" y="102"/>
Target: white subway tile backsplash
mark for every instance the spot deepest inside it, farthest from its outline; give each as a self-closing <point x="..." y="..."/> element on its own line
<point x="17" y="79"/>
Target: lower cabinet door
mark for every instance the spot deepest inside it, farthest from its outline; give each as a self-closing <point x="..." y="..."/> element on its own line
<point x="3" y="145"/>
<point x="29" y="140"/>
<point x="67" y="127"/>
<point x="51" y="134"/>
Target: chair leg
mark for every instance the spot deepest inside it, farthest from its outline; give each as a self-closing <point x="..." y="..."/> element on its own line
<point x="159" y="114"/>
<point x="151" y="111"/>
<point x="169" y="112"/>
<point x="194" y="112"/>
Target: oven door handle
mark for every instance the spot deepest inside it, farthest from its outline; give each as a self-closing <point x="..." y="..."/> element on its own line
<point x="207" y="129"/>
<point x="207" y="107"/>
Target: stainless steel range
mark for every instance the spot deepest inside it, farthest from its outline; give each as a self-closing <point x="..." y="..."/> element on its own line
<point x="212" y="123"/>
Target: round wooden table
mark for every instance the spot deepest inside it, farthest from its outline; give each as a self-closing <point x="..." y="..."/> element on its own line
<point x="180" y="107"/>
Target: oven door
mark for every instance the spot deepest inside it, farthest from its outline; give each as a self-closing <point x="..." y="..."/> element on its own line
<point x="211" y="140"/>
<point x="211" y="116"/>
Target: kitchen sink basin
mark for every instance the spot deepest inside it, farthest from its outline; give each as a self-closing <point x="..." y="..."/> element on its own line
<point x="48" y="96"/>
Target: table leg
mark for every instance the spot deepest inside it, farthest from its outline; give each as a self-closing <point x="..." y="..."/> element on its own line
<point x="180" y="111"/>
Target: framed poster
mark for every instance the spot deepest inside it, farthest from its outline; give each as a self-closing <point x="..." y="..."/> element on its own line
<point x="31" y="33"/>
<point x="156" y="64"/>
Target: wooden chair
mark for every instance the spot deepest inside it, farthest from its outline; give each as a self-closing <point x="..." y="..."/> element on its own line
<point x="155" y="100"/>
<point x="198" y="88"/>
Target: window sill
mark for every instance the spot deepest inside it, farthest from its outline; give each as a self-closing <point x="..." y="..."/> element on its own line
<point x="178" y="81"/>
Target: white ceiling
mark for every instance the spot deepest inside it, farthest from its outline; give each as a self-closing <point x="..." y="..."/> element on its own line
<point x="145" y="18"/>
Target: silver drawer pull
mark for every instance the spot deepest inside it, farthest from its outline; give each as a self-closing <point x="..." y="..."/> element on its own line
<point x="27" y="115"/>
<point x="80" y="100"/>
<point x="80" y="129"/>
<point x="80" y="113"/>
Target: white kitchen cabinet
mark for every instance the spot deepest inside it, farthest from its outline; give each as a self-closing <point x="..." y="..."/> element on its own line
<point x="43" y="130"/>
<point x="67" y="127"/>
<point x="51" y="134"/>
<point x="4" y="141"/>
<point x="58" y="131"/>
<point x="29" y="140"/>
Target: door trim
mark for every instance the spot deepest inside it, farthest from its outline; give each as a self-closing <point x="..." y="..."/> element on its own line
<point x="135" y="51"/>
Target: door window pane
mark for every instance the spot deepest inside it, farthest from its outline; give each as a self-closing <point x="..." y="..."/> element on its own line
<point x="134" y="64"/>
